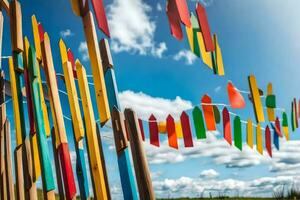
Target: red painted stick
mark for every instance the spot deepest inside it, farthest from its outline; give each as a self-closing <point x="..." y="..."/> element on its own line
<point x="186" y="129"/>
<point x="172" y="137"/>
<point x="226" y="126"/>
<point x="268" y="141"/>
<point x="153" y="129"/>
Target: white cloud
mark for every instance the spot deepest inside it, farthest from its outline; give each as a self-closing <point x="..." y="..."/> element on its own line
<point x="158" y="52"/>
<point x="210" y="173"/>
<point x="159" y="7"/>
<point x="66" y="33"/>
<point x="132" y="29"/>
<point x="144" y="105"/>
<point x="197" y="187"/>
<point x="186" y="55"/>
<point x="83" y="50"/>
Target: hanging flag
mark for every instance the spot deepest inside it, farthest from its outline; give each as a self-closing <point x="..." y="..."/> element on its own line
<point x="177" y="11"/>
<point x="162" y="127"/>
<point x="153" y="129"/>
<point x="208" y="113"/>
<point x="186" y="129"/>
<point x="277" y="127"/>
<point x="226" y="125"/>
<point x="238" y="133"/>
<point x="292" y="118"/>
<point x="270" y="103"/>
<point x="295" y="113"/>
<point x="259" y="142"/>
<point x="275" y="138"/>
<point x="172" y="137"/>
<point x="101" y="16"/>
<point x="250" y="133"/>
<point x="199" y="123"/>
<point x="268" y="141"/>
<point x="178" y="130"/>
<point x="142" y="129"/>
<point x="285" y="126"/>
<point x="219" y="65"/>
<point x="217" y="114"/>
<point x="192" y="35"/>
<point x="236" y="100"/>
<point x="258" y="109"/>
<point x="204" y="26"/>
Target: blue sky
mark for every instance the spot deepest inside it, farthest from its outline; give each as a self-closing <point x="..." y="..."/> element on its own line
<point x="257" y="37"/>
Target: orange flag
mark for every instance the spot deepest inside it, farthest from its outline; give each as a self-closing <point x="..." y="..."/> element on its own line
<point x="172" y="137"/>
<point x="236" y="100"/>
<point x="208" y="113"/>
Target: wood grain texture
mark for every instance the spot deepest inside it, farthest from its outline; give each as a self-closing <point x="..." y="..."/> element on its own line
<point x="16" y="26"/>
<point x="121" y="140"/>
<point x="142" y="173"/>
<point x="96" y="165"/>
<point x="5" y="5"/>
<point x="97" y="69"/>
<point x="1" y="34"/>
<point x="20" y="194"/>
<point x="3" y="185"/>
<point x="107" y="61"/>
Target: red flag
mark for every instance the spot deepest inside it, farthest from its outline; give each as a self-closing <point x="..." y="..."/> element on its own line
<point x="153" y="129"/>
<point x="235" y="98"/>
<point x="277" y="127"/>
<point x="174" y="20"/>
<point x="268" y="141"/>
<point x="204" y="26"/>
<point x="186" y="129"/>
<point x="101" y="16"/>
<point x="72" y="60"/>
<point x="142" y="129"/>
<point x="208" y="113"/>
<point x="183" y="12"/>
<point x="226" y="126"/>
<point x="172" y="137"/>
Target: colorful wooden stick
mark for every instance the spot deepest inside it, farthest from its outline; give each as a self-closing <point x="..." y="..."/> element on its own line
<point x="153" y="129"/>
<point x="270" y="109"/>
<point x="101" y="16"/>
<point x="226" y="126"/>
<point x="285" y="125"/>
<point x="96" y="166"/>
<point x="257" y="105"/>
<point x="249" y="133"/>
<point x="66" y="166"/>
<point x="259" y="140"/>
<point x="1" y="34"/>
<point x="219" y="59"/>
<point x="238" y="133"/>
<point x="208" y="112"/>
<point x="268" y="141"/>
<point x="139" y="158"/>
<point x="186" y="129"/>
<point x="3" y="185"/>
<point x="199" y="123"/>
<point x="172" y="137"/>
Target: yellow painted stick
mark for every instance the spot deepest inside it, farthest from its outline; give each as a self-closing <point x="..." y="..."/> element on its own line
<point x="206" y="56"/>
<point x="96" y="166"/>
<point x="36" y="37"/>
<point x="219" y="58"/>
<point x="258" y="108"/>
<point x="178" y="129"/>
<point x="259" y="142"/>
<point x="270" y="111"/>
<point x="250" y="133"/>
<point x="97" y="69"/>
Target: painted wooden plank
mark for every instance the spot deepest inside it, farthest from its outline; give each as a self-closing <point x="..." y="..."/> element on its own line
<point x="250" y="133"/>
<point x="82" y="171"/>
<point x="72" y="60"/>
<point x="121" y="143"/>
<point x="112" y="89"/>
<point x="191" y="33"/>
<point x="183" y="11"/>
<point x="296" y="113"/>
<point x="238" y="133"/>
<point x="204" y="26"/>
<point x="97" y="69"/>
<point x="208" y="113"/>
<point x="268" y="141"/>
<point x="138" y="156"/>
<point x="226" y="126"/>
<point x="107" y="61"/>
<point x="3" y="185"/>
<point x="199" y="123"/>
<point x="219" y="57"/>
<point x="270" y="111"/>
<point x="236" y="100"/>
<point x="142" y="129"/>
<point x="36" y="37"/>
<point x="275" y="139"/>
<point x="174" y="21"/>
<point x="16" y="106"/>
<point x="285" y="126"/>
<point x="20" y="193"/>
<point x="72" y="95"/>
<point x="277" y="127"/>
<point x="8" y="163"/>
<point x="41" y="32"/>
<point x="292" y="117"/>
<point x="1" y="35"/>
<point x="206" y="56"/>
<point x="171" y="130"/>
<point x="75" y="7"/>
<point x="16" y="26"/>
<point x="153" y="129"/>
<point x="5" y="5"/>
<point x="257" y="105"/>
<point x="47" y="175"/>
<point x="259" y="142"/>
<point x="186" y="129"/>
<point x="35" y="156"/>
<point x="217" y="114"/>
<point x="100" y="189"/>
<point x="101" y="16"/>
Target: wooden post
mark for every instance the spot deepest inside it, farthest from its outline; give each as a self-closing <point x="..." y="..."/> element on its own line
<point x="142" y="173"/>
<point x="57" y="115"/>
<point x="2" y="163"/>
<point x="96" y="166"/>
<point x="47" y="174"/>
<point x="1" y="34"/>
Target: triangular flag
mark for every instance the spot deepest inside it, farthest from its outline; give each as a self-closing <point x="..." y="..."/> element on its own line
<point x="186" y="129"/>
<point x="236" y="100"/>
<point x="270" y="103"/>
<point x="258" y="108"/>
<point x="268" y="141"/>
<point x="208" y="113"/>
<point x="250" y="133"/>
<point x="259" y="142"/>
<point x="199" y="123"/>
<point x="226" y="126"/>
<point x="204" y="26"/>
<point x="153" y="129"/>
<point x="238" y="133"/>
<point x="172" y="137"/>
<point x="285" y="126"/>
